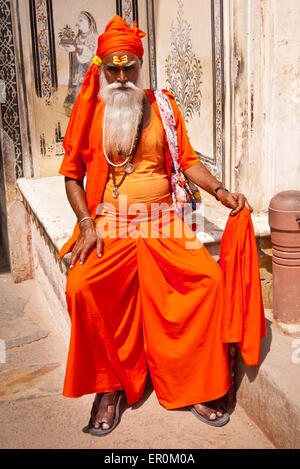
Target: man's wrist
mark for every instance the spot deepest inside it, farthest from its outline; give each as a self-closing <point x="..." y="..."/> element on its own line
<point x="85" y="221"/>
<point x="218" y="190"/>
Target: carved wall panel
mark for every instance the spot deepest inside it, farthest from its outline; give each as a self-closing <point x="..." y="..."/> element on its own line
<point x="190" y="63"/>
<point x="9" y="91"/>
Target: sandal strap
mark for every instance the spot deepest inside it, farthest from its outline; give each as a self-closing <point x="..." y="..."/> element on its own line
<point x="106" y="399"/>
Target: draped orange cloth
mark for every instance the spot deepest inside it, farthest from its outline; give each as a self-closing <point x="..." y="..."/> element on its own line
<point x="243" y="316"/>
<point x="154" y="300"/>
<point x="151" y="303"/>
<point x="148" y="303"/>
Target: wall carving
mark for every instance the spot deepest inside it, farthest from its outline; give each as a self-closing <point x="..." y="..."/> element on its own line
<point x="183" y="68"/>
<point x="218" y="161"/>
<point x="43" y="48"/>
<point x="128" y="9"/>
<point x="10" y="108"/>
<point x="81" y="46"/>
<point x="151" y="44"/>
<point x="193" y="70"/>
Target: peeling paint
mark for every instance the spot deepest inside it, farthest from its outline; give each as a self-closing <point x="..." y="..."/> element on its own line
<point x="237" y="65"/>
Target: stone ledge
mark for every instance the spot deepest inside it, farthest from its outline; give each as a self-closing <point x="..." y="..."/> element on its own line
<point x="47" y="200"/>
<point x="270" y="392"/>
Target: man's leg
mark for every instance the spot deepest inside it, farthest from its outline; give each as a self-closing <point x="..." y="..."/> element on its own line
<point x="182" y="294"/>
<point x="106" y="347"/>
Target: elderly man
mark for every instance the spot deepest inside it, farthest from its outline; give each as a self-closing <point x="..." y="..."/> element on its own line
<point x="137" y="302"/>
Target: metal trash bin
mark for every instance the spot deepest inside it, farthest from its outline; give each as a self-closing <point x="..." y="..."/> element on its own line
<point x="284" y="222"/>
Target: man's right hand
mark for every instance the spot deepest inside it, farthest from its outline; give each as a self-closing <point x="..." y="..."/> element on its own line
<point x="88" y="238"/>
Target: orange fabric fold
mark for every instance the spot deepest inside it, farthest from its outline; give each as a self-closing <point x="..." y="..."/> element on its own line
<point x="124" y="325"/>
<point x="243" y="318"/>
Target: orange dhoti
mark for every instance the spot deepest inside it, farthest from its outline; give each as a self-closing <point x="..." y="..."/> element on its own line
<point x="148" y="303"/>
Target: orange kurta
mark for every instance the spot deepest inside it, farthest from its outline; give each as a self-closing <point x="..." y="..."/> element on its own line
<point x="149" y="302"/>
<point x="149" y="182"/>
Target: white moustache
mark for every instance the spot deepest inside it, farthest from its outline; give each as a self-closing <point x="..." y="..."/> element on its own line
<point x="116" y="85"/>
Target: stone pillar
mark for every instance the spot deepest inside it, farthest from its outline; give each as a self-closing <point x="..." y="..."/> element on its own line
<point x="14" y="219"/>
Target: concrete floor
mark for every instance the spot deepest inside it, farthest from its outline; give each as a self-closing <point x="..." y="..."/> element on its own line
<point x="34" y="414"/>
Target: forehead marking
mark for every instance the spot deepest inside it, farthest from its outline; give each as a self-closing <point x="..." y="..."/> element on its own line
<point x="120" y="60"/>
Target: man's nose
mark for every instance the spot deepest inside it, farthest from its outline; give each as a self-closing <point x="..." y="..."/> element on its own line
<point x="122" y="78"/>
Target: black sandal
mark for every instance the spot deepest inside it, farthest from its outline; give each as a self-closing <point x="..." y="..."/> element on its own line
<point x="101" y="431"/>
<point x="217" y="422"/>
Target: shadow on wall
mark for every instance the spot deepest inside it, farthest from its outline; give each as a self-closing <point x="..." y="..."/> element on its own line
<point x="252" y="371"/>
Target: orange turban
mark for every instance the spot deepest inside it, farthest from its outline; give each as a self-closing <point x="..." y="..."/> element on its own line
<point x="117" y="37"/>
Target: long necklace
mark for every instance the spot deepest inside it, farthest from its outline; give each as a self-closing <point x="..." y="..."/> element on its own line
<point x="128" y="166"/>
<point x="131" y="147"/>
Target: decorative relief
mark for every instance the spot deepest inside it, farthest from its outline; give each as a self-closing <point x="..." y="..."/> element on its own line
<point x="183" y="68"/>
<point x="218" y="63"/>
<point x="10" y="108"/>
<point x="81" y="47"/>
<point x="184" y="73"/>
<point x="56" y="149"/>
<point x="44" y="51"/>
<point x="127" y="11"/>
<point x="43" y="48"/>
<point x="151" y="44"/>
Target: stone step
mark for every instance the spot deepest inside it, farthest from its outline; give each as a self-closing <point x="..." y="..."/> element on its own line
<point x="270" y="392"/>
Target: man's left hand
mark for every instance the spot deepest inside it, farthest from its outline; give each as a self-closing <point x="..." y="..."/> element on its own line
<point x="233" y="200"/>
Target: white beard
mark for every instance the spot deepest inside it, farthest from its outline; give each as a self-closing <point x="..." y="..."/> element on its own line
<point x="122" y="113"/>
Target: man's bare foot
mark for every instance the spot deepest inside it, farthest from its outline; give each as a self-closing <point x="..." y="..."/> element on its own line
<point x="211" y="413"/>
<point x="103" y="410"/>
<point x="210" y="410"/>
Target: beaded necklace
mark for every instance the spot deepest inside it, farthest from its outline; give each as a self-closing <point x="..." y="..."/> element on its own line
<point x="128" y="166"/>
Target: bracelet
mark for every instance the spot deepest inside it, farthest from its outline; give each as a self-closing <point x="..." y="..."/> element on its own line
<point x="85" y="218"/>
<point x="217" y="189"/>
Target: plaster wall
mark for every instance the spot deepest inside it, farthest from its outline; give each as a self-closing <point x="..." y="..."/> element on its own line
<point x="265" y="97"/>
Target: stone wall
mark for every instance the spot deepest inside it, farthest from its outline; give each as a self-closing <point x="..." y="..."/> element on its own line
<point x="265" y="98"/>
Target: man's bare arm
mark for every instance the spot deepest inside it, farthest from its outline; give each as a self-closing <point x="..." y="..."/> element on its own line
<point x="89" y="236"/>
<point x="76" y="197"/>
<point x="200" y="176"/>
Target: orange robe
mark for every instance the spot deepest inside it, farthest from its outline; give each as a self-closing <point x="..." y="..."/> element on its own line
<point x="243" y="316"/>
<point x="149" y="303"/>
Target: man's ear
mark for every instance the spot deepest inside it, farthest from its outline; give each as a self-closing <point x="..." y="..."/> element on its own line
<point x="141" y="62"/>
